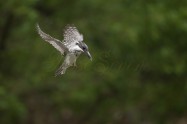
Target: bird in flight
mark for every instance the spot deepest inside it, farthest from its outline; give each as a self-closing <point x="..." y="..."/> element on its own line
<point x="71" y="47"/>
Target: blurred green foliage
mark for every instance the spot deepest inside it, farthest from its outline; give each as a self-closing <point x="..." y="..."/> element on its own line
<point x="138" y="72"/>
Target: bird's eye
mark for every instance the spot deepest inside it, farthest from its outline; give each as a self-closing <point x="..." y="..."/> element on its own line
<point x="84" y="48"/>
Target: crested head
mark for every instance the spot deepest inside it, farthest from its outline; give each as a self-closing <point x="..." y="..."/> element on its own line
<point x="83" y="46"/>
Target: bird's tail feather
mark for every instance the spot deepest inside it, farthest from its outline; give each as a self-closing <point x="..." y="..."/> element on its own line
<point x="61" y="70"/>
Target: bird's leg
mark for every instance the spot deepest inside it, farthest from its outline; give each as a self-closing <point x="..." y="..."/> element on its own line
<point x="76" y="54"/>
<point x="74" y="64"/>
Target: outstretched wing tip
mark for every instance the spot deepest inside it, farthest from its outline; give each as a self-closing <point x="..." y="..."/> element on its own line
<point x="38" y="29"/>
<point x="37" y="25"/>
<point x="68" y="26"/>
<point x="71" y="34"/>
<point x="53" y="41"/>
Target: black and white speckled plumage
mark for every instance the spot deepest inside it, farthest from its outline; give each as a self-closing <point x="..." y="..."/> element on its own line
<point x="72" y="46"/>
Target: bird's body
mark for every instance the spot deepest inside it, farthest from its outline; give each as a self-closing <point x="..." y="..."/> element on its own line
<point x="72" y="46"/>
<point x="70" y="60"/>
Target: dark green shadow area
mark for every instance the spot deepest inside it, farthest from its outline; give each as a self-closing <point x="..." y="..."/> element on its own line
<point x="138" y="74"/>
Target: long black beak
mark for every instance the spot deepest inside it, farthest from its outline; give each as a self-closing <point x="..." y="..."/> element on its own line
<point x="89" y="55"/>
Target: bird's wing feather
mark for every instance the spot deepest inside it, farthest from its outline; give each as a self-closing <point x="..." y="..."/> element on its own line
<point x="72" y="35"/>
<point x="53" y="41"/>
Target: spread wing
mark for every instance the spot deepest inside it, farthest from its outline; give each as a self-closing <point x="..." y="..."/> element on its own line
<point x="72" y="36"/>
<point x="55" y="42"/>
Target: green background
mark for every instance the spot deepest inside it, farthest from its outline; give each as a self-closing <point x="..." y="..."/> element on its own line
<point x="138" y="74"/>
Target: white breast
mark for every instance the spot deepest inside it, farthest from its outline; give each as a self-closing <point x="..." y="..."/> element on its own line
<point x="70" y="59"/>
